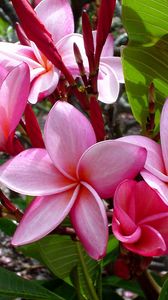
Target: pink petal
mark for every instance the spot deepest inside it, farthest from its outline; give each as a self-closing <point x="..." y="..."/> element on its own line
<point x="65" y="49"/>
<point x="106" y="164"/>
<point x="108" y="48"/>
<point x="44" y="85"/>
<point x="115" y="64"/>
<point x="125" y="206"/>
<point x="43" y="215"/>
<point x="108" y="78"/>
<point x="13" y="103"/>
<point x="154" y="206"/>
<point x="32" y="173"/>
<point x="151" y="243"/>
<point x="164" y="134"/>
<point x="160" y="223"/>
<point x="12" y="55"/>
<point x="121" y="235"/>
<point x="89" y="219"/>
<point x="57" y="17"/>
<point x="3" y="74"/>
<point x="154" y="162"/>
<point x="68" y="134"/>
<point x="157" y="184"/>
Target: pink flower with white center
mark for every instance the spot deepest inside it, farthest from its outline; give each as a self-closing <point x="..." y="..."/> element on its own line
<point x="140" y="219"/>
<point x="155" y="171"/>
<point x="57" y="17"/>
<point x="69" y="177"/>
<point x="14" y="91"/>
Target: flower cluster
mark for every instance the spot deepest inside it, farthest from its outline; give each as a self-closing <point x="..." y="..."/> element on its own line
<point x="72" y="170"/>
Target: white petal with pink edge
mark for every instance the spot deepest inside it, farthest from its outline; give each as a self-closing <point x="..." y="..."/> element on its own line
<point x="107" y="77"/>
<point x="115" y="64"/>
<point x="65" y="49"/>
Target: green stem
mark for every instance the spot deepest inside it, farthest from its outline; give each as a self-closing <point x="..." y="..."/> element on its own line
<point x="91" y="289"/>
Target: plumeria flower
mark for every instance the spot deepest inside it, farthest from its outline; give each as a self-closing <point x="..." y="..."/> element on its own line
<point x="143" y="231"/>
<point x="155" y="171"/>
<point x="70" y="177"/>
<point x="57" y="17"/>
<point x="14" y="91"/>
<point x="110" y="68"/>
<point x="43" y="75"/>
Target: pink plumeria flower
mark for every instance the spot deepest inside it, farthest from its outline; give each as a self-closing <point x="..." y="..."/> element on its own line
<point x="14" y="90"/>
<point x="110" y="68"/>
<point x="140" y="219"/>
<point x="57" y="17"/>
<point x="43" y="75"/>
<point x="69" y="177"/>
<point x="155" y="171"/>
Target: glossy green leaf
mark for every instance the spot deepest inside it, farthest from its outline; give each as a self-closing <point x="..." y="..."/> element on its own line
<point x="15" y="286"/>
<point x="62" y="255"/>
<point x="145" y="59"/>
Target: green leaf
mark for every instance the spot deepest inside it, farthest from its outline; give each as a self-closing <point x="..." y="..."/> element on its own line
<point x="145" y="59"/>
<point x="62" y="255"/>
<point x="164" y="291"/>
<point x="112" y="250"/>
<point x="7" y="226"/>
<point x="15" y="286"/>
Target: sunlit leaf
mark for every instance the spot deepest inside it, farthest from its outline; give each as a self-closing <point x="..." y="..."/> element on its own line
<point x="145" y="59"/>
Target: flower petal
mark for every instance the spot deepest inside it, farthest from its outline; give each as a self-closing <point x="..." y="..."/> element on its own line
<point x="154" y="206"/>
<point x="44" y="85"/>
<point x="89" y="219"/>
<point x="124" y="206"/>
<point x="12" y="55"/>
<point x="32" y="173"/>
<point x="157" y="184"/>
<point x="151" y="243"/>
<point x="3" y="74"/>
<point x="115" y="64"/>
<point x="154" y="162"/>
<point x="108" y="48"/>
<point x="164" y="134"/>
<point x="57" y="17"/>
<point x="107" y="77"/>
<point x="68" y="134"/>
<point x="43" y="215"/>
<point x="121" y="235"/>
<point x="106" y="164"/>
<point x="13" y="103"/>
<point x="65" y="49"/>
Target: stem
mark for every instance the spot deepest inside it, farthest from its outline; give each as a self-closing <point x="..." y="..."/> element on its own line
<point x="149" y="286"/>
<point x="10" y="207"/>
<point x="91" y="289"/>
